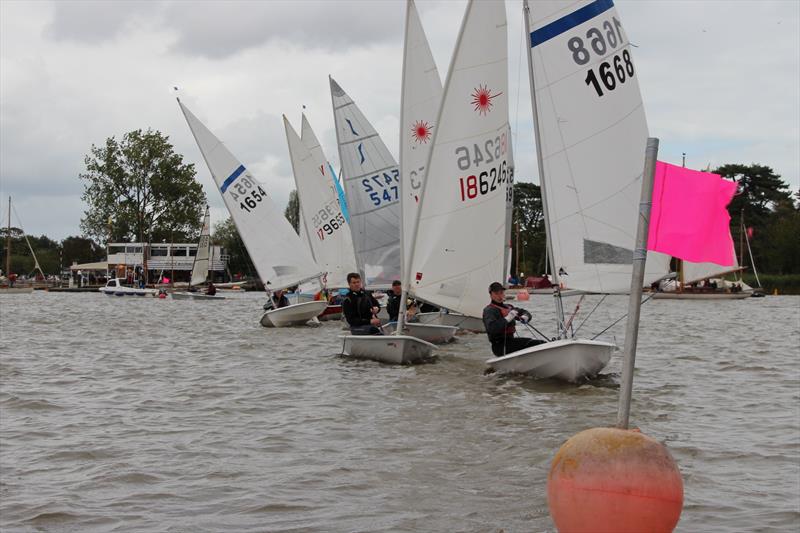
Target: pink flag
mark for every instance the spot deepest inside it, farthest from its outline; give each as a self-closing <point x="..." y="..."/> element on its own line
<point x="689" y="219"/>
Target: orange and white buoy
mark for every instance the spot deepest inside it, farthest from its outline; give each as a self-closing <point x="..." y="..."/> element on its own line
<point x="614" y="480"/>
<point x="522" y="295"/>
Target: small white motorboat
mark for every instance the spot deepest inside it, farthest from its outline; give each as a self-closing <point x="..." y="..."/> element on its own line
<point x="433" y="333"/>
<point x="465" y="322"/>
<point x="393" y="349"/>
<point x="195" y="296"/>
<point x="567" y="359"/>
<point x="293" y="315"/>
<point x="119" y="287"/>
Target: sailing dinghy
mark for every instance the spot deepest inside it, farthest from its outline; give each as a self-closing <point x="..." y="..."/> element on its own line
<point x="200" y="266"/>
<point x="591" y="134"/>
<point x="457" y="240"/>
<point x="280" y="258"/>
<point x="372" y="186"/>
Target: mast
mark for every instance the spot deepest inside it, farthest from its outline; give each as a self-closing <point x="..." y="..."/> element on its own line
<point x="551" y="256"/>
<point x="8" y="240"/>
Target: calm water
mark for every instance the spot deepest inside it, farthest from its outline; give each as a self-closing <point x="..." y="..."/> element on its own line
<point x="140" y="414"/>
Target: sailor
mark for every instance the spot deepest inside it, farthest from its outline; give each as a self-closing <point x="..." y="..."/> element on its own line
<point x="499" y="319"/>
<point x="211" y="290"/>
<point x="279" y="299"/>
<point x="360" y="308"/>
<point x="393" y="305"/>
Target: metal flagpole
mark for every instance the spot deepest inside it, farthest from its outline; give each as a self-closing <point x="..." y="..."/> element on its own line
<point x="637" y="279"/>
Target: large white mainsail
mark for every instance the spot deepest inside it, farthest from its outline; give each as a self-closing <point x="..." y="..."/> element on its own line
<point x="200" y="267"/>
<point x="372" y="185"/>
<point x="322" y="220"/>
<point x="274" y="247"/>
<point x="591" y="134"/>
<point x="459" y="240"/>
<point x="420" y="97"/>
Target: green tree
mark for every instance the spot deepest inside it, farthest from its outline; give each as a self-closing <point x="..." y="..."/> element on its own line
<point x="139" y="188"/>
<point x="781" y="249"/>
<point x="226" y="235"/>
<point x="77" y="249"/>
<point x="292" y="212"/>
<point x="761" y="191"/>
<point x="22" y="260"/>
<point x="529" y="217"/>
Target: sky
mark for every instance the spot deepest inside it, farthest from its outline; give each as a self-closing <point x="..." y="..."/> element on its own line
<point x="720" y="81"/>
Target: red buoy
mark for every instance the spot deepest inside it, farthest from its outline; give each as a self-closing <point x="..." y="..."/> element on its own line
<point x="614" y="480"/>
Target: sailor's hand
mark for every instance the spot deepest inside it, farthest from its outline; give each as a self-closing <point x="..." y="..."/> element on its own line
<point x="511" y="315"/>
<point x="524" y="319"/>
<point x="375" y="310"/>
<point x="375" y="322"/>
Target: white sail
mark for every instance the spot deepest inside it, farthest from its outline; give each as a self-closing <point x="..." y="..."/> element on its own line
<point x="509" y="211"/>
<point x="274" y="247"/>
<point x="592" y="134"/>
<point x="421" y="95"/>
<point x="459" y="242"/>
<point x="698" y="271"/>
<point x="322" y="220"/>
<point x="200" y="267"/>
<point x="372" y="186"/>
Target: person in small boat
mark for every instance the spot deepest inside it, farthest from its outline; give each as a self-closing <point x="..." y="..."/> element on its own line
<point x="279" y="299"/>
<point x="360" y="308"/>
<point x="211" y="290"/>
<point x="393" y="305"/>
<point x="499" y="318"/>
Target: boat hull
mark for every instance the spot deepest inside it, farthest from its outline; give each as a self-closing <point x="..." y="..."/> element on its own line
<point x="127" y="291"/>
<point x="332" y="312"/>
<point x="677" y="295"/>
<point x="293" y="315"/>
<point x="392" y="349"/>
<point x="433" y="333"/>
<point x="195" y="296"/>
<point x="468" y="323"/>
<point x="567" y="359"/>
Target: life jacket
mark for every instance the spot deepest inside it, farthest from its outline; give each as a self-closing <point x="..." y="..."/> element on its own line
<point x="510" y="328"/>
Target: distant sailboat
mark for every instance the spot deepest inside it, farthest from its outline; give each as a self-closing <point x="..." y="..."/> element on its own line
<point x="200" y="266"/>
<point x="279" y="256"/>
<point x="6" y="283"/>
<point x="591" y="134"/>
<point x="372" y="187"/>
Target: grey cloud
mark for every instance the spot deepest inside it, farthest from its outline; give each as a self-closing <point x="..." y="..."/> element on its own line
<point x="92" y="22"/>
<point x="217" y="30"/>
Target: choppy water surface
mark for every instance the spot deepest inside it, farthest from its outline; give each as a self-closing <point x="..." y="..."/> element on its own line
<point x="123" y="414"/>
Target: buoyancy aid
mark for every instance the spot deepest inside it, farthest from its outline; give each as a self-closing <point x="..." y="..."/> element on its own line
<point x="510" y="329"/>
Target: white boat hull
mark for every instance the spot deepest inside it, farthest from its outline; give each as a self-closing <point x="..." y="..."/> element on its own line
<point x="127" y="291"/>
<point x="16" y="290"/>
<point x="468" y="323"/>
<point x="293" y="315"/>
<point x="393" y="349"/>
<point x="678" y="295"/>
<point x="195" y="296"/>
<point x="567" y="359"/>
<point x="432" y="333"/>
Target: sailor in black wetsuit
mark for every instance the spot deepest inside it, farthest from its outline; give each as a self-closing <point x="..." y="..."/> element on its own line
<point x="499" y="319"/>
<point x="277" y="301"/>
<point x="393" y="306"/>
<point x="360" y="308"/>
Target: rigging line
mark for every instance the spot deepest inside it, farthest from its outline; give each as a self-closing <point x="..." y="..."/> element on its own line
<point x="623" y="316"/>
<point x="590" y="313"/>
<point x="35" y="259"/>
<point x="515" y="138"/>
